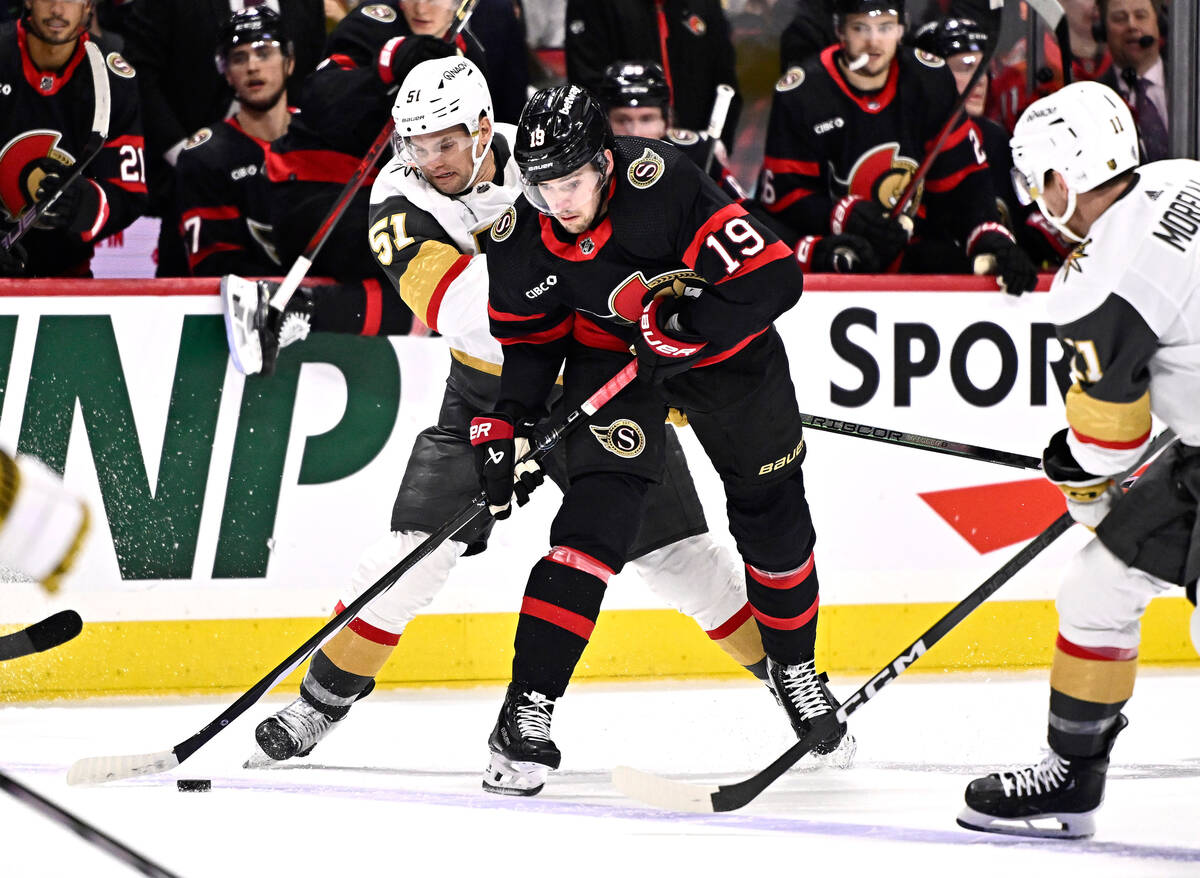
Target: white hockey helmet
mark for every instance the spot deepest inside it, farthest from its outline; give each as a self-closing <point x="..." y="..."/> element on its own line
<point x="1085" y="132"/>
<point x="438" y="95"/>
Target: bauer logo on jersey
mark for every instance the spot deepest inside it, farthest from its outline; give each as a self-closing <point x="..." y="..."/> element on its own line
<point x="504" y="224"/>
<point x="379" y="12"/>
<point x="929" y="59"/>
<point x="791" y="79"/>
<point x="198" y="138"/>
<point x="645" y="172"/>
<point x="120" y="66"/>
<point x="622" y="437"/>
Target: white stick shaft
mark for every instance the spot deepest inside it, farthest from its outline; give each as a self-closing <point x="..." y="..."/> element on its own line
<point x="290" y="282"/>
<point x="720" y="110"/>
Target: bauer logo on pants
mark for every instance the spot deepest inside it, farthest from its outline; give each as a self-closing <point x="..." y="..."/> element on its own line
<point x="622" y="437"/>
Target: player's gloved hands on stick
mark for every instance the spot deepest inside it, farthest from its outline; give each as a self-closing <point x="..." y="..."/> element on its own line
<point x="1000" y="255"/>
<point x="407" y="52"/>
<point x="75" y="208"/>
<point x="1089" y="497"/>
<point x="499" y="445"/>
<point x="855" y="215"/>
<point x="838" y="254"/>
<point x="664" y="347"/>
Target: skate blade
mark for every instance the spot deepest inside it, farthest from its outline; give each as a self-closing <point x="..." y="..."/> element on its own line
<point x="507" y="778"/>
<point x="842" y="756"/>
<point x="259" y="759"/>
<point x="1049" y="825"/>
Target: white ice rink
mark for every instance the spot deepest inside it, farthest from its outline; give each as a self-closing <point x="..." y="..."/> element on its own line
<point x="395" y="791"/>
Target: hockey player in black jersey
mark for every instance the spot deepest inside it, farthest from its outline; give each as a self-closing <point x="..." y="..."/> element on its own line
<point x="221" y="182"/>
<point x="343" y="105"/>
<point x="620" y="242"/>
<point x="847" y="131"/>
<point x="432" y="207"/>
<point x="50" y="70"/>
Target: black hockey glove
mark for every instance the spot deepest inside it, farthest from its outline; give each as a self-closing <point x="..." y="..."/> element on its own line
<point x="855" y="215"/>
<point x="75" y="208"/>
<point x="401" y="54"/>
<point x="838" y="254"/>
<point x="664" y="347"/>
<point x="498" y="446"/>
<point x="1014" y="270"/>
<point x="1089" y="497"/>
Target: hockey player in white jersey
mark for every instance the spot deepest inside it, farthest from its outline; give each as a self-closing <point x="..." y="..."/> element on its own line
<point x="1127" y="301"/>
<point x="43" y="525"/>
<point x="431" y="208"/>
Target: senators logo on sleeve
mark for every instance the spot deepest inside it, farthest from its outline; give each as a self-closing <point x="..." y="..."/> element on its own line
<point x="622" y="437"/>
<point x="646" y="171"/>
<point x="504" y="224"/>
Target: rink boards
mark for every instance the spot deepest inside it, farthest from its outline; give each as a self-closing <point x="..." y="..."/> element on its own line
<point x="229" y="512"/>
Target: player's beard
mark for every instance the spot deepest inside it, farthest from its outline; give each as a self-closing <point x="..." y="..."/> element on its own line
<point x="71" y="36"/>
<point x="264" y="104"/>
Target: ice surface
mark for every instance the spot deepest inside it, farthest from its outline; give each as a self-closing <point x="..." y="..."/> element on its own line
<point x="395" y="790"/>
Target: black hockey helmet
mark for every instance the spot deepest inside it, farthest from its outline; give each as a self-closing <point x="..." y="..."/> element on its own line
<point x="635" y="84"/>
<point x="842" y="8"/>
<point x="561" y="129"/>
<point x="946" y="37"/>
<point x="255" y="24"/>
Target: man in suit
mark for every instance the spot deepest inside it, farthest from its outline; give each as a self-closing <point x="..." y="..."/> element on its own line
<point x="1133" y="31"/>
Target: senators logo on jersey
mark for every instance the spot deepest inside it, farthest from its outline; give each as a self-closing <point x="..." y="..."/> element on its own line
<point x="627" y="300"/>
<point x="622" y="437"/>
<point x="882" y="174"/>
<point x="645" y="172"/>
<point x="20" y="168"/>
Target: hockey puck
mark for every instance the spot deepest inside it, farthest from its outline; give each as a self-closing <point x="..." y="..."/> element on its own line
<point x="193" y="786"/>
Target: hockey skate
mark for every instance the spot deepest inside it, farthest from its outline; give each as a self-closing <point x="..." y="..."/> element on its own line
<point x="255" y="330"/>
<point x="293" y="731"/>
<point x="805" y="697"/>
<point x="522" y="752"/>
<point x="1057" y="798"/>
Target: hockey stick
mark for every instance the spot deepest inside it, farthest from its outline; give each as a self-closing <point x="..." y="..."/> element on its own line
<point x="100" y="769"/>
<point x="41" y="636"/>
<point x="82" y="828"/>
<point x="1051" y="12"/>
<point x="95" y="144"/>
<point x="918" y="178"/>
<point x="682" y="796"/>
<point x="924" y="443"/>
<point x="305" y="260"/>
<point x="716" y="122"/>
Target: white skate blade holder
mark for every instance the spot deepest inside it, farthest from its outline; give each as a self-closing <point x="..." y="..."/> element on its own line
<point x="1049" y="825"/>
<point x="514" y="778"/>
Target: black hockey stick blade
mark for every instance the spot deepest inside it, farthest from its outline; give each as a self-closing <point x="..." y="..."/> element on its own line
<point x="923" y="443"/>
<point x="682" y="796"/>
<point x="41" y="636"/>
<point x="82" y="828"/>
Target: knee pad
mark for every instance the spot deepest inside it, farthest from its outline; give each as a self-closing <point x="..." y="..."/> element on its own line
<point x="696" y="576"/>
<point x="600" y="516"/>
<point x="1102" y="600"/>
<point x="397" y="606"/>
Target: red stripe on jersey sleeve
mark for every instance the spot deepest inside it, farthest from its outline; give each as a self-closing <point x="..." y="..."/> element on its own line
<point x="439" y="292"/>
<point x="222" y="212"/>
<point x="547" y="335"/>
<point x="594" y="335"/>
<point x="716" y="221"/>
<point x="945" y="184"/>
<point x="788" y="200"/>
<point x="199" y="256"/>
<point x="791" y="166"/>
<point x="777" y="250"/>
<point x="506" y="317"/>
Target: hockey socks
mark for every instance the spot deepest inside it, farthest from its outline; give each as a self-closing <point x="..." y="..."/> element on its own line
<point x="330" y="689"/>
<point x="562" y="601"/>
<point x="785" y="606"/>
<point x="1088" y="688"/>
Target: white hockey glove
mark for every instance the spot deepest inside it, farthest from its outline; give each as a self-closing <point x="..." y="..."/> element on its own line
<point x="42" y="524"/>
<point x="1089" y="497"/>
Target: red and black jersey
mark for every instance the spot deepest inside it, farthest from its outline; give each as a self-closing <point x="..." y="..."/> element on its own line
<point x="223" y="203"/>
<point x="49" y="114"/>
<point x="827" y="140"/>
<point x="347" y="100"/>
<point x="663" y="215"/>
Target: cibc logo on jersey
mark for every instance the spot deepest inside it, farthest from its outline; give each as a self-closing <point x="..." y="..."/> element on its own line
<point x="622" y="437"/>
